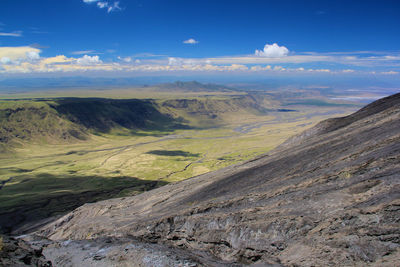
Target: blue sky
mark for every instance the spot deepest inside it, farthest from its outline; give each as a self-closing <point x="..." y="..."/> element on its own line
<point x="260" y="38"/>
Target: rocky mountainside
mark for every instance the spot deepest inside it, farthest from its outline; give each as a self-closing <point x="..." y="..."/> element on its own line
<point x="18" y="253"/>
<point x="328" y="197"/>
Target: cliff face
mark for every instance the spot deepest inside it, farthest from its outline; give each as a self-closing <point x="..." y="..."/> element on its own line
<point x="328" y="197"/>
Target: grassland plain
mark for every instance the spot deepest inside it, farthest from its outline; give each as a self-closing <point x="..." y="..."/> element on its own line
<point x="100" y="156"/>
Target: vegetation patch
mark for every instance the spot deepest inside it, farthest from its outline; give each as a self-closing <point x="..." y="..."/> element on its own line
<point x="318" y="103"/>
<point x="173" y="153"/>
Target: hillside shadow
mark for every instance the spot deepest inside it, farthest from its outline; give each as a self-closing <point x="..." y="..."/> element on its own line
<point x="31" y="198"/>
<point x="173" y="153"/>
<point x="102" y="115"/>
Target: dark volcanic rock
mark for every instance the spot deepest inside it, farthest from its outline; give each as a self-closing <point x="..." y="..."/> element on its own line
<point x="16" y="253"/>
<point x="328" y="197"/>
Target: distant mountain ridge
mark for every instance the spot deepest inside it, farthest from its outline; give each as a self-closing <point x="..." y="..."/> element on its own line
<point x="327" y="197"/>
<point x="194" y="86"/>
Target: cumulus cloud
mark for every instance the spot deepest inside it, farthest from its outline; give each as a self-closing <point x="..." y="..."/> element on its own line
<point x="279" y="68"/>
<point x="260" y="68"/>
<point x="19" y="53"/>
<point x="174" y="61"/>
<point x="273" y="50"/>
<point x="90" y="1"/>
<point x="190" y="41"/>
<point x="88" y="60"/>
<point x="5" y="60"/>
<point x="32" y="55"/>
<point x="60" y="59"/>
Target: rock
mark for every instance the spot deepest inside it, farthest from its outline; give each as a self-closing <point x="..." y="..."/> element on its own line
<point x="16" y="252"/>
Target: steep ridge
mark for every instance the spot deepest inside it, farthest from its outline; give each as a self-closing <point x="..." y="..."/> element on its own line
<point x="27" y="120"/>
<point x="71" y="119"/>
<point x="63" y="120"/>
<point x="326" y="198"/>
<point x="215" y="108"/>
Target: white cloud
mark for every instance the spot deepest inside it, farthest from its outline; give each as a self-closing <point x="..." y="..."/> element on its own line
<point x="102" y="4"/>
<point x="113" y="7"/>
<point x="83" y="52"/>
<point x="105" y="4"/>
<point x="28" y="60"/>
<point x="5" y="60"/>
<point x="174" y="61"/>
<point x="190" y="41"/>
<point x="319" y="70"/>
<point x="390" y="72"/>
<point x="88" y="60"/>
<point x="273" y="50"/>
<point x="11" y="34"/>
<point x="234" y="67"/>
<point x="60" y="59"/>
<point x="32" y="55"/>
<point x="125" y="59"/>
<point x="279" y="68"/>
<point x="260" y="68"/>
<point x="18" y="53"/>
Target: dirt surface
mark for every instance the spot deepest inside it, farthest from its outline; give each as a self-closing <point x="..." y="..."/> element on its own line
<point x="328" y="197"/>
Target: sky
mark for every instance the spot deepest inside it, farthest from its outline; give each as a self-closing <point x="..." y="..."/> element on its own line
<point x="248" y="38"/>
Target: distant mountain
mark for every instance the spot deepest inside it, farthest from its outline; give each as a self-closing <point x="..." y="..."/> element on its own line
<point x="327" y="197"/>
<point x="194" y="86"/>
<point x="15" y="85"/>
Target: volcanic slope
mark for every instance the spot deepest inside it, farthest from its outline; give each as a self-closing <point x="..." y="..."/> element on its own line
<point x="327" y="197"/>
